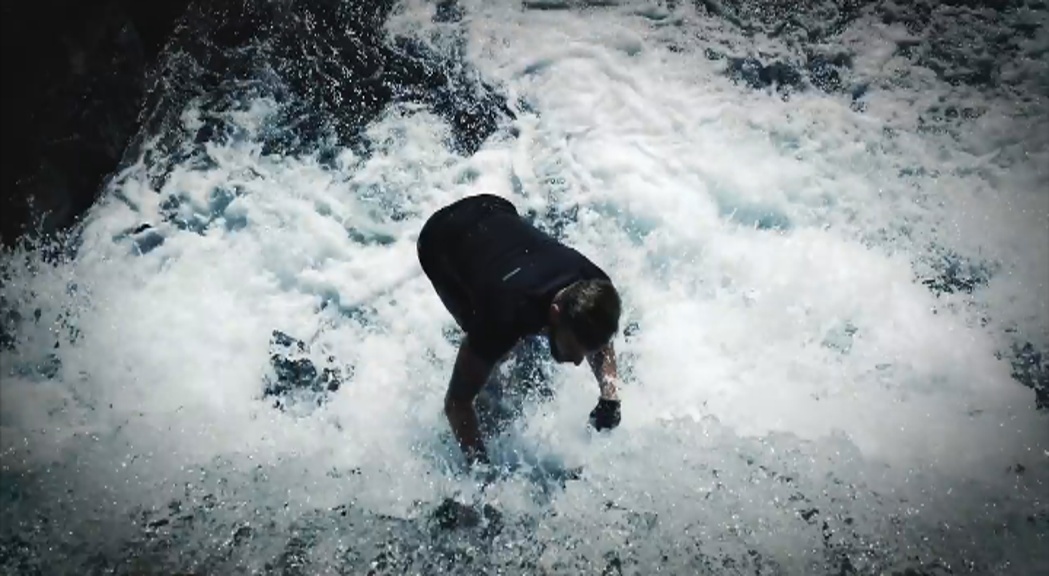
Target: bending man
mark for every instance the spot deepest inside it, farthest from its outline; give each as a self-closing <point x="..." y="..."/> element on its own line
<point x="502" y="280"/>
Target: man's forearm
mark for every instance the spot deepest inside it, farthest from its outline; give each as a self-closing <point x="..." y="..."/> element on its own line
<point x="468" y="376"/>
<point x="603" y="364"/>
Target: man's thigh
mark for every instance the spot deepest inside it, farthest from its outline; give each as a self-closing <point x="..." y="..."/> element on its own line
<point x="434" y="253"/>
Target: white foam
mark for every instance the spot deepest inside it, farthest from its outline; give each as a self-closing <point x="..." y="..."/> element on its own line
<point x="666" y="152"/>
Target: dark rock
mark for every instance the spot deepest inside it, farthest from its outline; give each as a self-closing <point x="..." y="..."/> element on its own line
<point x="74" y="79"/>
<point x="295" y="379"/>
<point x="859" y="91"/>
<point x="452" y="515"/>
<point x="826" y="70"/>
<point x="1030" y="367"/>
<point x="109" y="78"/>
<point x="757" y="75"/>
<point x="326" y="64"/>
<point x="447" y="11"/>
<point x="712" y="54"/>
<point x="805" y="22"/>
<point x="631" y="329"/>
<point x="954" y="272"/>
<point x="614" y="567"/>
<point x="147" y="240"/>
<point x="10" y="319"/>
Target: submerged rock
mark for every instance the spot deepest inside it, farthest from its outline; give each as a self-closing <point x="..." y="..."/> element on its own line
<point x="296" y="381"/>
<point x="1030" y="367"/>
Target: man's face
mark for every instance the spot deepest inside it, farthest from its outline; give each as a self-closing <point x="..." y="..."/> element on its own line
<point x="565" y="347"/>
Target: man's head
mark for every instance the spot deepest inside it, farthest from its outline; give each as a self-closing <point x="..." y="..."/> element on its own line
<point x="583" y="318"/>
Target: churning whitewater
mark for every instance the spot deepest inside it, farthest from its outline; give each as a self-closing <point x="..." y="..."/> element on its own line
<point x="833" y="277"/>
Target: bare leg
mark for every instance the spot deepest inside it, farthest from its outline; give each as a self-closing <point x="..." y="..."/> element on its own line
<point x="468" y="376"/>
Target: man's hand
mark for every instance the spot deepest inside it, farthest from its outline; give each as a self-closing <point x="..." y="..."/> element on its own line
<point x="463" y="420"/>
<point x="605" y="416"/>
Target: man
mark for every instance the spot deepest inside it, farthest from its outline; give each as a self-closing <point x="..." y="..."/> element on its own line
<point x="503" y="280"/>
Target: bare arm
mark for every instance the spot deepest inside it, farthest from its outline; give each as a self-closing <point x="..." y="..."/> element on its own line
<point x="603" y="364"/>
<point x="468" y="376"/>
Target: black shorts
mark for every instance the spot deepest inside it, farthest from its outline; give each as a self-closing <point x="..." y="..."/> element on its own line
<point x="439" y="245"/>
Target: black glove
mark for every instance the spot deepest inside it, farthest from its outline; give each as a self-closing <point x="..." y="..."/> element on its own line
<point x="605" y="415"/>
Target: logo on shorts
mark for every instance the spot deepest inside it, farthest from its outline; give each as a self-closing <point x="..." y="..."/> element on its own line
<point x="510" y="274"/>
